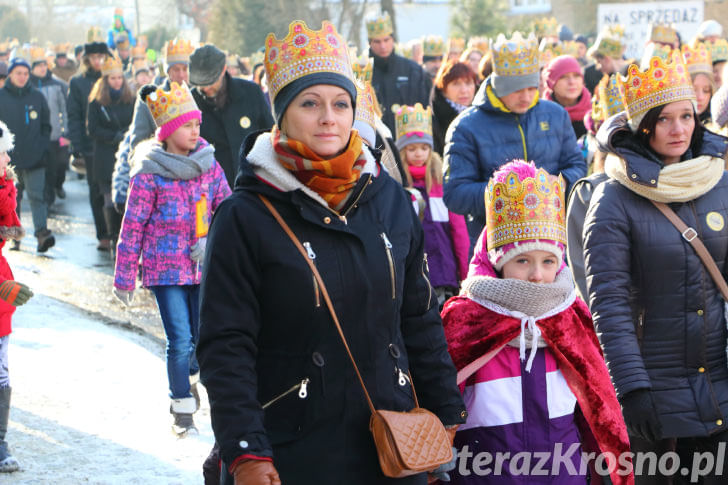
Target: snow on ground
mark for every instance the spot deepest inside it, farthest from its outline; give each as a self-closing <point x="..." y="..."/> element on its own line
<point x="90" y="404"/>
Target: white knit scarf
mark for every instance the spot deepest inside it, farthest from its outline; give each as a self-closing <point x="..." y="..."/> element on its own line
<point x="678" y="182"/>
<point x="528" y="302"/>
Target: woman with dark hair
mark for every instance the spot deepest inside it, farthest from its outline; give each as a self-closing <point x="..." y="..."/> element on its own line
<point x="657" y="311"/>
<point x="110" y="110"/>
<point x="452" y="93"/>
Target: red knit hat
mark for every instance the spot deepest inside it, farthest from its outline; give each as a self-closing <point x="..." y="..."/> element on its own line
<point x="559" y="67"/>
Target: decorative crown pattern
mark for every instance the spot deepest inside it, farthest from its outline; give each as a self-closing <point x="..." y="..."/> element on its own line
<point x="379" y="26"/>
<point x="37" y="54"/>
<point x="363" y="67"/>
<point x="94" y="34"/>
<point x="20" y="53"/>
<point x="480" y="44"/>
<point x="256" y="58"/>
<point x="521" y="210"/>
<point x="570" y="48"/>
<point x="546" y="27"/>
<point x="365" y="104"/>
<point x="608" y="99"/>
<point x="62" y="48"/>
<point x="168" y="105"/>
<point x="664" y="34"/>
<point x="697" y="58"/>
<point x="304" y="51"/>
<point x="455" y="45"/>
<point x="405" y="50"/>
<point x="548" y="50"/>
<point x="718" y="50"/>
<point x="662" y="83"/>
<point x="138" y="52"/>
<point x="433" y="46"/>
<point x="178" y="50"/>
<point x="112" y="65"/>
<point x="609" y="42"/>
<point x="515" y="56"/>
<point x="413" y="119"/>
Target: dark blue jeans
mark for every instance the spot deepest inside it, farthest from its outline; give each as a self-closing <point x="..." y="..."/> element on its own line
<point x="180" y="310"/>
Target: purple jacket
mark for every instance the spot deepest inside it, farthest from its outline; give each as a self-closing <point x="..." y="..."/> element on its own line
<point x="159" y="224"/>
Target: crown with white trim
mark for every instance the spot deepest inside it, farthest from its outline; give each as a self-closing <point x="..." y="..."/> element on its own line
<point x="433" y="46"/>
<point x="697" y="59"/>
<point x="664" y="34"/>
<point x="304" y="51"/>
<point x="523" y="210"/>
<point x="178" y="51"/>
<point x="168" y="105"/>
<point x="718" y="50"/>
<point x="546" y="27"/>
<point x="515" y="56"/>
<point x="480" y="44"/>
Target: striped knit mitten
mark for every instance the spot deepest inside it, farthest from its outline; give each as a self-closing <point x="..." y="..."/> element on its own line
<point x="14" y="293"/>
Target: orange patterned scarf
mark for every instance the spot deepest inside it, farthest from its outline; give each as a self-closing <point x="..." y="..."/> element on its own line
<point x="332" y="179"/>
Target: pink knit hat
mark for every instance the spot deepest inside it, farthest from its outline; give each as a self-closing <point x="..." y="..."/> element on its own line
<point x="170" y="109"/>
<point x="559" y="67"/>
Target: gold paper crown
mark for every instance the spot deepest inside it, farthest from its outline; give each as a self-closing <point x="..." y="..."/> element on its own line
<point x="178" y="50"/>
<point x="479" y="44"/>
<point x="112" y="65"/>
<point x="413" y="119"/>
<point x="363" y="67"/>
<point x="379" y="26"/>
<point x="516" y="56"/>
<point x="608" y="99"/>
<point x="138" y="52"/>
<point x="522" y="210"/>
<point x="663" y="83"/>
<point x="365" y="103"/>
<point x="664" y="34"/>
<point x="4" y="47"/>
<point x="718" y="50"/>
<point x="616" y="30"/>
<point x="570" y="48"/>
<point x="139" y="64"/>
<point x="547" y="51"/>
<point x="62" y="48"/>
<point x="455" y="45"/>
<point x="168" y="105"/>
<point x="609" y="42"/>
<point x="546" y="27"/>
<point x="654" y="50"/>
<point x="37" y="54"/>
<point x="405" y="50"/>
<point x="697" y="59"/>
<point x="21" y="53"/>
<point x="433" y="46"/>
<point x="304" y="51"/>
<point x="256" y="58"/>
<point x="94" y="34"/>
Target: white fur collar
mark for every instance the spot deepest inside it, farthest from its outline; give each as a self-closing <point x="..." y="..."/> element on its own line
<point x="265" y="164"/>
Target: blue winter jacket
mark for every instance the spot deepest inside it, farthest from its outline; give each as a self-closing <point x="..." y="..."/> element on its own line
<point x="488" y="135"/>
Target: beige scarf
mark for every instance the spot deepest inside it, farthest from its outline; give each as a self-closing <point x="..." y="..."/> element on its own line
<point x="678" y="182"/>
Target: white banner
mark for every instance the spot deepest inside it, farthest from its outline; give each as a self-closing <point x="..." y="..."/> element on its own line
<point x="637" y="17"/>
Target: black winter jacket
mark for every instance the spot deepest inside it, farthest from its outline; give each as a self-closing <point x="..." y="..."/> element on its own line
<point x="397" y="80"/>
<point x="106" y="126"/>
<point x="245" y="112"/>
<point x="265" y="328"/>
<point x="78" y="91"/>
<point x="659" y="316"/>
<point x="25" y="112"/>
<point x="442" y="115"/>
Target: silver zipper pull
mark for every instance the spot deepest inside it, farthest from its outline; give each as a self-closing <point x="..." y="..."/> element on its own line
<point x="303" y="392"/>
<point x="386" y="241"/>
<point x="309" y="250"/>
<point x="403" y="378"/>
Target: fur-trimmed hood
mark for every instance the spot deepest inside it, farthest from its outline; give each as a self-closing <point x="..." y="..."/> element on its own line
<point x="10" y="227"/>
<point x="6" y="138"/>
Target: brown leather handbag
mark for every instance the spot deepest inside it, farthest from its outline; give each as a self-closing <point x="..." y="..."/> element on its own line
<point x="408" y="442"/>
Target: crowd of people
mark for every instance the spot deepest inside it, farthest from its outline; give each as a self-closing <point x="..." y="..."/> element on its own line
<point x="498" y="223"/>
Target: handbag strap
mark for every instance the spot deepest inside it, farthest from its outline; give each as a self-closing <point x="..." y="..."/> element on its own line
<point x="691" y="236"/>
<point x="327" y="299"/>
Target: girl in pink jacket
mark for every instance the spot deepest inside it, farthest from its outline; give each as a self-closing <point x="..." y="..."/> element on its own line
<point x="175" y="186"/>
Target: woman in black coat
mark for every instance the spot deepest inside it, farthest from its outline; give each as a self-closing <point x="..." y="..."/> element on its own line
<point x="285" y="401"/>
<point x="658" y="313"/>
<point x="110" y="110"/>
<point x="452" y="92"/>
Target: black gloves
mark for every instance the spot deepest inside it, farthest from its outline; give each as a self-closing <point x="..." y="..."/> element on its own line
<point x="640" y="415"/>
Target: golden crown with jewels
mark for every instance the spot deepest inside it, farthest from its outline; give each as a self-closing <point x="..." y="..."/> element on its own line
<point x="718" y="50"/>
<point x="168" y="105"/>
<point x="546" y="27"/>
<point x="363" y="67"/>
<point x="413" y="119"/>
<point x="178" y="50"/>
<point x="515" y="56"/>
<point x="379" y="26"/>
<point x="662" y="83"/>
<point x="138" y="52"/>
<point x="365" y="104"/>
<point x="455" y="45"/>
<point x="20" y="53"/>
<point x="522" y="210"/>
<point x="94" y="34"/>
<point x="433" y="46"/>
<point x="570" y="48"/>
<point x="480" y="44"/>
<point x="304" y="51"/>
<point x="697" y="59"/>
<point x="609" y="42"/>
<point x="548" y="50"/>
<point x="62" y="48"/>
<point x="664" y="34"/>
<point x="37" y="54"/>
<point x="608" y="99"/>
<point x="654" y="50"/>
<point x="112" y="65"/>
<point x="406" y="49"/>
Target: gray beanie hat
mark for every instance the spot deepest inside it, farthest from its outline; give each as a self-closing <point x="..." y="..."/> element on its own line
<point x="206" y="65"/>
<point x="505" y="85"/>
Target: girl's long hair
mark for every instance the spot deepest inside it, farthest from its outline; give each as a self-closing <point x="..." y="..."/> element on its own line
<point x="101" y="92"/>
<point x="433" y="172"/>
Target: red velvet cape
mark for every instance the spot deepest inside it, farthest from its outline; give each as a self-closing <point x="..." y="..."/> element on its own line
<point x="473" y="330"/>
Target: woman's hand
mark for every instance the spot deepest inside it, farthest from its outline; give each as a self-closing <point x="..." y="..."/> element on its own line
<point x="640" y="415"/>
<point x="256" y="472"/>
<point x="124" y="296"/>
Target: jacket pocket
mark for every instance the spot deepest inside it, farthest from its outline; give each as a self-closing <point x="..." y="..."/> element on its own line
<point x="390" y="261"/>
<point x="301" y="387"/>
<point x="401" y="380"/>
<point x="286" y="411"/>
<point x="316" y="289"/>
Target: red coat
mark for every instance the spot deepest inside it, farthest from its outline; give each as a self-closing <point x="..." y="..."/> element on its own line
<point x="9" y="229"/>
